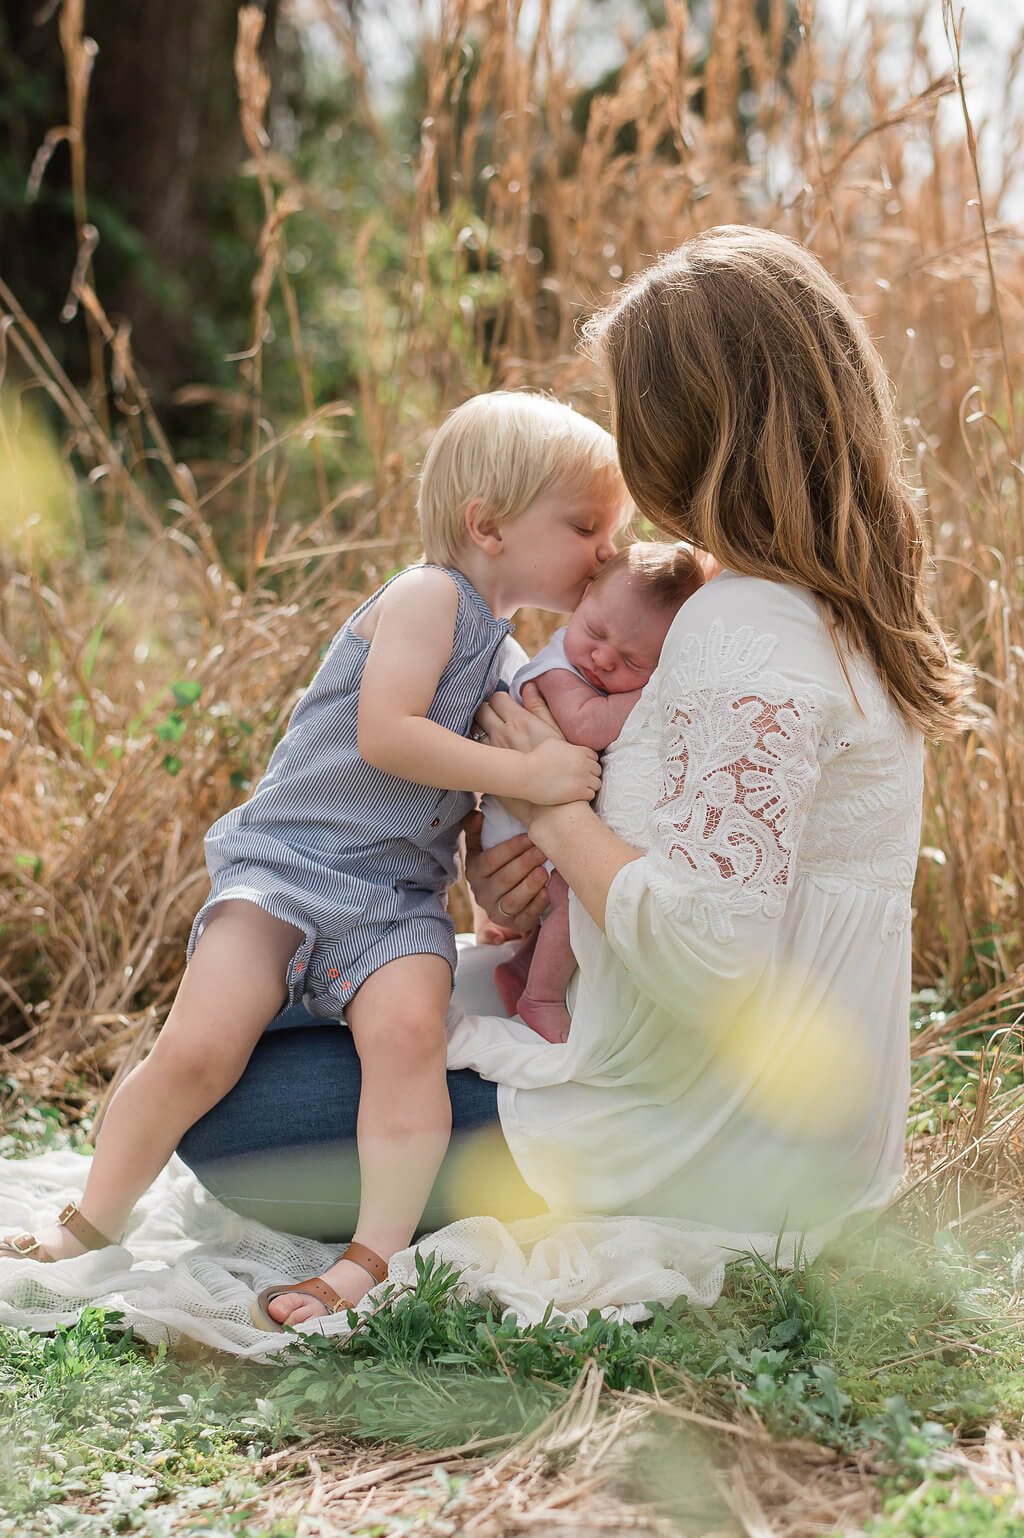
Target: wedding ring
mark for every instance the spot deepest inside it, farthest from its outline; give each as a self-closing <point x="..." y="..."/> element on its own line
<point x="501" y="910"/>
<point x="479" y="735"/>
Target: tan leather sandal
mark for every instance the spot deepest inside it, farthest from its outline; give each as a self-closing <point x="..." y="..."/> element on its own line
<point x="316" y="1287"/>
<point x="27" y="1246"/>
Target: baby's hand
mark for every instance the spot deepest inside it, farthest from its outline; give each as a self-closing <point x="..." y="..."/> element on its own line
<point x="557" y="771"/>
<point x="486" y="932"/>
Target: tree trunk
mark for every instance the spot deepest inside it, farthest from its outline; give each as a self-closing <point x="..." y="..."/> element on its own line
<point x="163" y="148"/>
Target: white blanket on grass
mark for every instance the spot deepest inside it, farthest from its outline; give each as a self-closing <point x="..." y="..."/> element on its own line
<point x="189" y="1267"/>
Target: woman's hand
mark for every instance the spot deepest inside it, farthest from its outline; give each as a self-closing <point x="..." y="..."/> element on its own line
<point x="509" y="880"/>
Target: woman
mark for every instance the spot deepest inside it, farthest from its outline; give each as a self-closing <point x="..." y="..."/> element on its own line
<point x="738" y="1061"/>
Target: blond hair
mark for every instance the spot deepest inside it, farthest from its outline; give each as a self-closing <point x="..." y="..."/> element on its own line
<point x="666" y="574"/>
<point x="753" y="416"/>
<point x="505" y="448"/>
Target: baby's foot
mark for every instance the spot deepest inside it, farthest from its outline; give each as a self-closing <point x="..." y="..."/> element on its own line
<point x="510" y="977"/>
<point x="348" y="1280"/>
<point x="548" y="1019"/>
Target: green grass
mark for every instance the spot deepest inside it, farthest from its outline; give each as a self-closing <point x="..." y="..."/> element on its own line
<point x="876" y="1348"/>
<point x="890" y="1346"/>
<point x="948" y="1509"/>
<point x="111" y="1429"/>
<point x="943" y="1088"/>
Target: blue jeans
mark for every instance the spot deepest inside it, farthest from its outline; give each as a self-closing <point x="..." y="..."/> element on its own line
<point x="280" y="1146"/>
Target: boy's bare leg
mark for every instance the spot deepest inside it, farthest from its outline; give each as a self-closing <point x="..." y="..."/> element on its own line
<point x="542" y="1002"/>
<point x="232" y="988"/>
<point x="510" y="976"/>
<point x="405" y="1116"/>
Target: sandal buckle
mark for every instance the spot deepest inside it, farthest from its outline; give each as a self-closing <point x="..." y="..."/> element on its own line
<point x="67" y="1214"/>
<point x="25" y="1244"/>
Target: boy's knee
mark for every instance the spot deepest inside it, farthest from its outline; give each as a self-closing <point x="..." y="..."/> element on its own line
<point x="187" y="1067"/>
<point x="408" y="1030"/>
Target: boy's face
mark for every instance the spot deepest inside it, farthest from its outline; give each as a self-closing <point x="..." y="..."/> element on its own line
<point x="563" y="539"/>
<point x="616" y="634"/>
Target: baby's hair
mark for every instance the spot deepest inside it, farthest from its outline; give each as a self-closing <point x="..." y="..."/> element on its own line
<point x="754" y="417"/>
<point x="666" y="574"/>
<point x="506" y="447"/>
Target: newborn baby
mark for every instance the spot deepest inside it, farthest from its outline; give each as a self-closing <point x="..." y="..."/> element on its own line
<point x="590" y="675"/>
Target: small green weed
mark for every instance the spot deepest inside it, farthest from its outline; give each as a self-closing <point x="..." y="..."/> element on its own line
<point x="175" y="724"/>
<point x="33" y="1127"/>
<point x="948" y="1086"/>
<point x="949" y="1509"/>
<point x="92" y="1416"/>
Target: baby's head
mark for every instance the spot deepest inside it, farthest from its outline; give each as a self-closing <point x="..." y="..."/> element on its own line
<point x="512" y="456"/>
<point x="615" y="635"/>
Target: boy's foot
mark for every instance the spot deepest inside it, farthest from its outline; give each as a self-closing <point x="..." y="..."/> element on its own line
<point x="348" y="1278"/>
<point x="548" y="1019"/>
<point x="510" y="977"/>
<point x="51" y="1243"/>
<point x="71" y="1235"/>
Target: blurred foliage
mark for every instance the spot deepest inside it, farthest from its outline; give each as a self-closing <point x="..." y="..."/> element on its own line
<point x="314" y="240"/>
<point x="186" y="291"/>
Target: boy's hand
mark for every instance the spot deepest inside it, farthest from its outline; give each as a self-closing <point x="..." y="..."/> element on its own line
<point x="556" y="771"/>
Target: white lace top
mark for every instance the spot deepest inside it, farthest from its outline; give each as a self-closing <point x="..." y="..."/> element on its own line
<point x="738" y="1059"/>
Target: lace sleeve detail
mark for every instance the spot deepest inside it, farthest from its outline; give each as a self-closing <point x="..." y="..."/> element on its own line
<point x="740" y="766"/>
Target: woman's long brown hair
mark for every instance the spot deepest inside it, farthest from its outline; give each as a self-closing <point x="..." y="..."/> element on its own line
<point x="754" y="417"/>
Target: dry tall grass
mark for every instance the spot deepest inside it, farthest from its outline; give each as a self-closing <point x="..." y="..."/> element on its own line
<point x="101" y="845"/>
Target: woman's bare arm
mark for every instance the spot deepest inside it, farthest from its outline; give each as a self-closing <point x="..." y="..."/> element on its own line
<point x="584" y="850"/>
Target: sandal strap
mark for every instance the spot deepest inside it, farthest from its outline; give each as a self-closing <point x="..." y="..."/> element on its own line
<point x="81" y="1229"/>
<point x="367" y="1260"/>
<point x="314" y="1287"/>
<point x="25" y="1244"/>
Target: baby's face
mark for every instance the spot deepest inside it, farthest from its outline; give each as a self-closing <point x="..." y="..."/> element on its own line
<point x="615" y="635"/>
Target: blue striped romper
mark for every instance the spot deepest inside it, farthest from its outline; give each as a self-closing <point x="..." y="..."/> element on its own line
<point x="356" y="858"/>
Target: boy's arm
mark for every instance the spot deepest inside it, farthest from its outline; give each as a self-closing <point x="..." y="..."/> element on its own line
<point x="585" y="716"/>
<point x="411" y="645"/>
